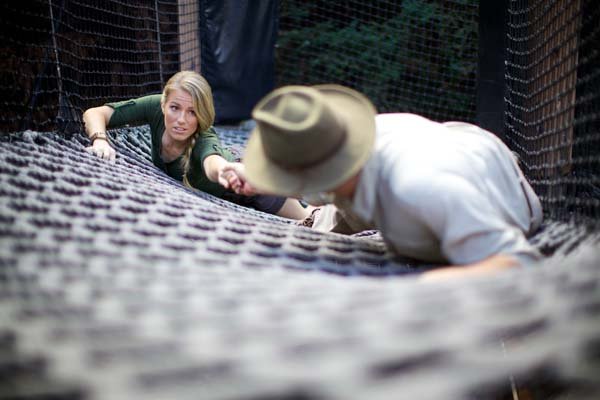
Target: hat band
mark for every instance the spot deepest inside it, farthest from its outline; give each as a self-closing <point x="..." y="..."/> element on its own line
<point x="332" y="150"/>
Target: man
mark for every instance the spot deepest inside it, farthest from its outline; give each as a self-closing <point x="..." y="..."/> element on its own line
<point x="438" y="192"/>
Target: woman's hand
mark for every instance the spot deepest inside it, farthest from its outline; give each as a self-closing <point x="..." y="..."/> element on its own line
<point x="102" y="149"/>
<point x="231" y="176"/>
<point x="95" y="120"/>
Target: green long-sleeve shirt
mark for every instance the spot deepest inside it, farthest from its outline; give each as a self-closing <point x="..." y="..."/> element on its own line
<point x="147" y="110"/>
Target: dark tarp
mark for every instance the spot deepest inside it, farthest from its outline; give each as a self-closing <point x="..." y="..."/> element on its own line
<point x="238" y="43"/>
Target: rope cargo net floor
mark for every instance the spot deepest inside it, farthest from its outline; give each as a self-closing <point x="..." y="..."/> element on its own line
<point x="117" y="282"/>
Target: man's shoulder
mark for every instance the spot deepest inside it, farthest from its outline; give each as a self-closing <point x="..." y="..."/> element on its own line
<point x="393" y="120"/>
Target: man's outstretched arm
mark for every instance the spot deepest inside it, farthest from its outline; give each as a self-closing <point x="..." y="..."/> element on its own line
<point x="495" y="263"/>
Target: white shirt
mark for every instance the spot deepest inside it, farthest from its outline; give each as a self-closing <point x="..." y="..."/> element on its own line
<point x="447" y="192"/>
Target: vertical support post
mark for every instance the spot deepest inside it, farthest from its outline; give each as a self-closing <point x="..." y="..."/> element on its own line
<point x="490" y="76"/>
<point x="189" y="39"/>
<point x="159" y="43"/>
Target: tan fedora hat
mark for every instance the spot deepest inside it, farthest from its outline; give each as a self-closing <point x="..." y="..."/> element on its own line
<point x="309" y="139"/>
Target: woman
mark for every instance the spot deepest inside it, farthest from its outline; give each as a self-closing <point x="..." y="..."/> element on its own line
<point x="184" y="143"/>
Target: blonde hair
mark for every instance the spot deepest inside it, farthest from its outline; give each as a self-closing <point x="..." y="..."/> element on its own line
<point x="202" y="101"/>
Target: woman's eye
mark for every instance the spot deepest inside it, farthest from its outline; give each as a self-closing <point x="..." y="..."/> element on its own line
<point x="174" y="108"/>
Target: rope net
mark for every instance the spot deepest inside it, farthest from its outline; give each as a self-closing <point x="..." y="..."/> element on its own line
<point x="61" y="57"/>
<point x="553" y="102"/>
<point x="118" y="282"/>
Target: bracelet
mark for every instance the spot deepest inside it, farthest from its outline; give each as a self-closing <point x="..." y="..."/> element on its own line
<point x="98" y="135"/>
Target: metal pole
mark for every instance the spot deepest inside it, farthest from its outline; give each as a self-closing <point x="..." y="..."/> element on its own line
<point x="159" y="44"/>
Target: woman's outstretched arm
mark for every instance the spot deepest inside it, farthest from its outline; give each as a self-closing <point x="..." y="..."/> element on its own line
<point x="495" y="263"/>
<point x="231" y="175"/>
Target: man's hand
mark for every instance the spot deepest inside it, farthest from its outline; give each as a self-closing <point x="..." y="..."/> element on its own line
<point x="102" y="149"/>
<point x="231" y="176"/>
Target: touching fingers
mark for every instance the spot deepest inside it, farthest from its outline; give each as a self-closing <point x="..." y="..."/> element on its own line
<point x="234" y="182"/>
<point x="222" y="179"/>
<point x="232" y="177"/>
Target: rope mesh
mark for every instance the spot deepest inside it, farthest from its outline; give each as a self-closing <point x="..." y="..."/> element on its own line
<point x="553" y="102"/>
<point x="64" y="56"/>
<point x="130" y="285"/>
<point x="118" y="282"/>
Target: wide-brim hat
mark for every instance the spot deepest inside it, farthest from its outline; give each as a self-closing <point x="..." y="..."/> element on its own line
<point x="309" y="139"/>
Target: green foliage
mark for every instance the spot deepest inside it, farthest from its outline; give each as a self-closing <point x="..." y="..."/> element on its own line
<point x="417" y="56"/>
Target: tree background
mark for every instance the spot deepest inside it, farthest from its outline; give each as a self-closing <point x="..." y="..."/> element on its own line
<point x="406" y="56"/>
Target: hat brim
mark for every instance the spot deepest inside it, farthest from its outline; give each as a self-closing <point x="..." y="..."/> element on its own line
<point x="358" y="115"/>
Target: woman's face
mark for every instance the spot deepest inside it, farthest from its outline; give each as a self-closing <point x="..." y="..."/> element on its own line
<point x="180" y="119"/>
